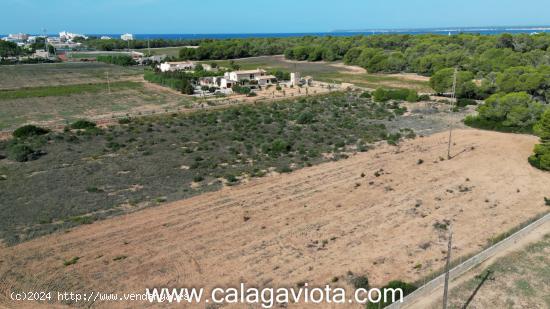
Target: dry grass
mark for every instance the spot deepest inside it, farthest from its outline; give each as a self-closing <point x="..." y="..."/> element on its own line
<point x="376" y="228"/>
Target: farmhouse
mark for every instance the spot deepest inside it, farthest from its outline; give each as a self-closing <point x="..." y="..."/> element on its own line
<point x="266" y="80"/>
<point x="245" y="75"/>
<point x="177" y="66"/>
<point x="248" y="78"/>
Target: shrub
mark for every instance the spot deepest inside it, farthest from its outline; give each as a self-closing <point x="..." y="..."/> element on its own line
<point x="360" y="282"/>
<point x="22" y="153"/>
<point x="305" y="118"/>
<point x="71" y="261"/>
<point x="122" y="60"/>
<point x="198" y="178"/>
<point x="465" y="102"/>
<point x="82" y="219"/>
<point x="384" y="95"/>
<point x="240" y="89"/>
<point x="124" y="121"/>
<point x="284" y="169"/>
<point x="541" y="156"/>
<point x="393" y="138"/>
<point x="424" y="97"/>
<point x="231" y="178"/>
<point x="83" y="124"/>
<point x="366" y="95"/>
<point x="28" y="131"/>
<point x="407" y="289"/>
<point x="412" y="96"/>
<point x="513" y="112"/>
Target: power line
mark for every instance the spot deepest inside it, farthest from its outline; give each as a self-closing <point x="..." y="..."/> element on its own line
<point x="453" y="99"/>
<point x="447" y="267"/>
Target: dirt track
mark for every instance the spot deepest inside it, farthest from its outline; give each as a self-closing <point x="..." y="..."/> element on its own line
<point x="311" y="225"/>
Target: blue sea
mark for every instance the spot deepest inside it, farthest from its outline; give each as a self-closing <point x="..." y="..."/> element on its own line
<point x="444" y="31"/>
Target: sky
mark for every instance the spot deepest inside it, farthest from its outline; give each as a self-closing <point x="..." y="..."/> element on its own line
<point x="280" y="16"/>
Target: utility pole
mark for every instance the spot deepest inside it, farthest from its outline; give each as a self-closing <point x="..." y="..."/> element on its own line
<point x="447" y="267"/>
<point x="453" y="98"/>
<point x="108" y="83"/>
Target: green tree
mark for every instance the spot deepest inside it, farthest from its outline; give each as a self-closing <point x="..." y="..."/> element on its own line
<point x="516" y="111"/>
<point x="541" y="156"/>
<point x="442" y="80"/>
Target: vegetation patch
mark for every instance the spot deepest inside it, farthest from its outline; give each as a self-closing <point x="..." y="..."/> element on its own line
<point x="87" y="175"/>
<point x="407" y="289"/>
<point x="513" y="112"/>
<point x="71" y="261"/>
<point x="47" y="91"/>
<point x="28" y="131"/>
<point x="541" y="156"/>
<point x="83" y="124"/>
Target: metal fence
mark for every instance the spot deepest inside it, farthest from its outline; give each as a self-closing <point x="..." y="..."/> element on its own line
<point x="472" y="262"/>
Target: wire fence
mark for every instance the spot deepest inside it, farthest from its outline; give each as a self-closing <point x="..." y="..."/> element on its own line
<point x="462" y="267"/>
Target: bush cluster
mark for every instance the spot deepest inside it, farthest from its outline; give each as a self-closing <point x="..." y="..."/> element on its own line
<point x="384" y="95"/>
<point x="29" y="131"/>
<point x="513" y="112"/>
<point x="541" y="156"/>
<point x="122" y="60"/>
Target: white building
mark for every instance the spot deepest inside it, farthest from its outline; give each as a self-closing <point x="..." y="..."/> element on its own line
<point x="19" y="36"/>
<point x="295" y="79"/>
<point x="177" y="66"/>
<point x="41" y="54"/>
<point x="265" y="80"/>
<point x="106" y="37"/>
<point x="68" y="36"/>
<point x="244" y="75"/>
<point x="127" y="37"/>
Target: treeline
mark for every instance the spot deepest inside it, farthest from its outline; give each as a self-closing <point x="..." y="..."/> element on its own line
<point x="116" y="44"/>
<point x="237" y="48"/>
<point x="179" y="80"/>
<point x="9" y="49"/>
<point x="541" y="157"/>
<point x="181" y="83"/>
<point x="122" y="60"/>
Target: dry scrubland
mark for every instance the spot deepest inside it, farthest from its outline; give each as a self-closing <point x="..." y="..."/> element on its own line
<point x="375" y="213"/>
<point x="82" y="176"/>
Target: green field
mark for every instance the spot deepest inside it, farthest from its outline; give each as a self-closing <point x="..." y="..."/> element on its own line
<point x="168" y="51"/>
<point x="54" y="74"/>
<point x="166" y="158"/>
<point x="89" y="55"/>
<point x="99" y="103"/>
<point x="518" y="280"/>
<point x="48" y="91"/>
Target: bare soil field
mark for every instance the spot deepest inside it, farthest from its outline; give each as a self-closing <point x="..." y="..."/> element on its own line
<point x="372" y="214"/>
<point x="53" y="74"/>
<point x="60" y="110"/>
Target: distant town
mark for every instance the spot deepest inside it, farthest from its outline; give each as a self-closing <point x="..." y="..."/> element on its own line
<point x="51" y="45"/>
